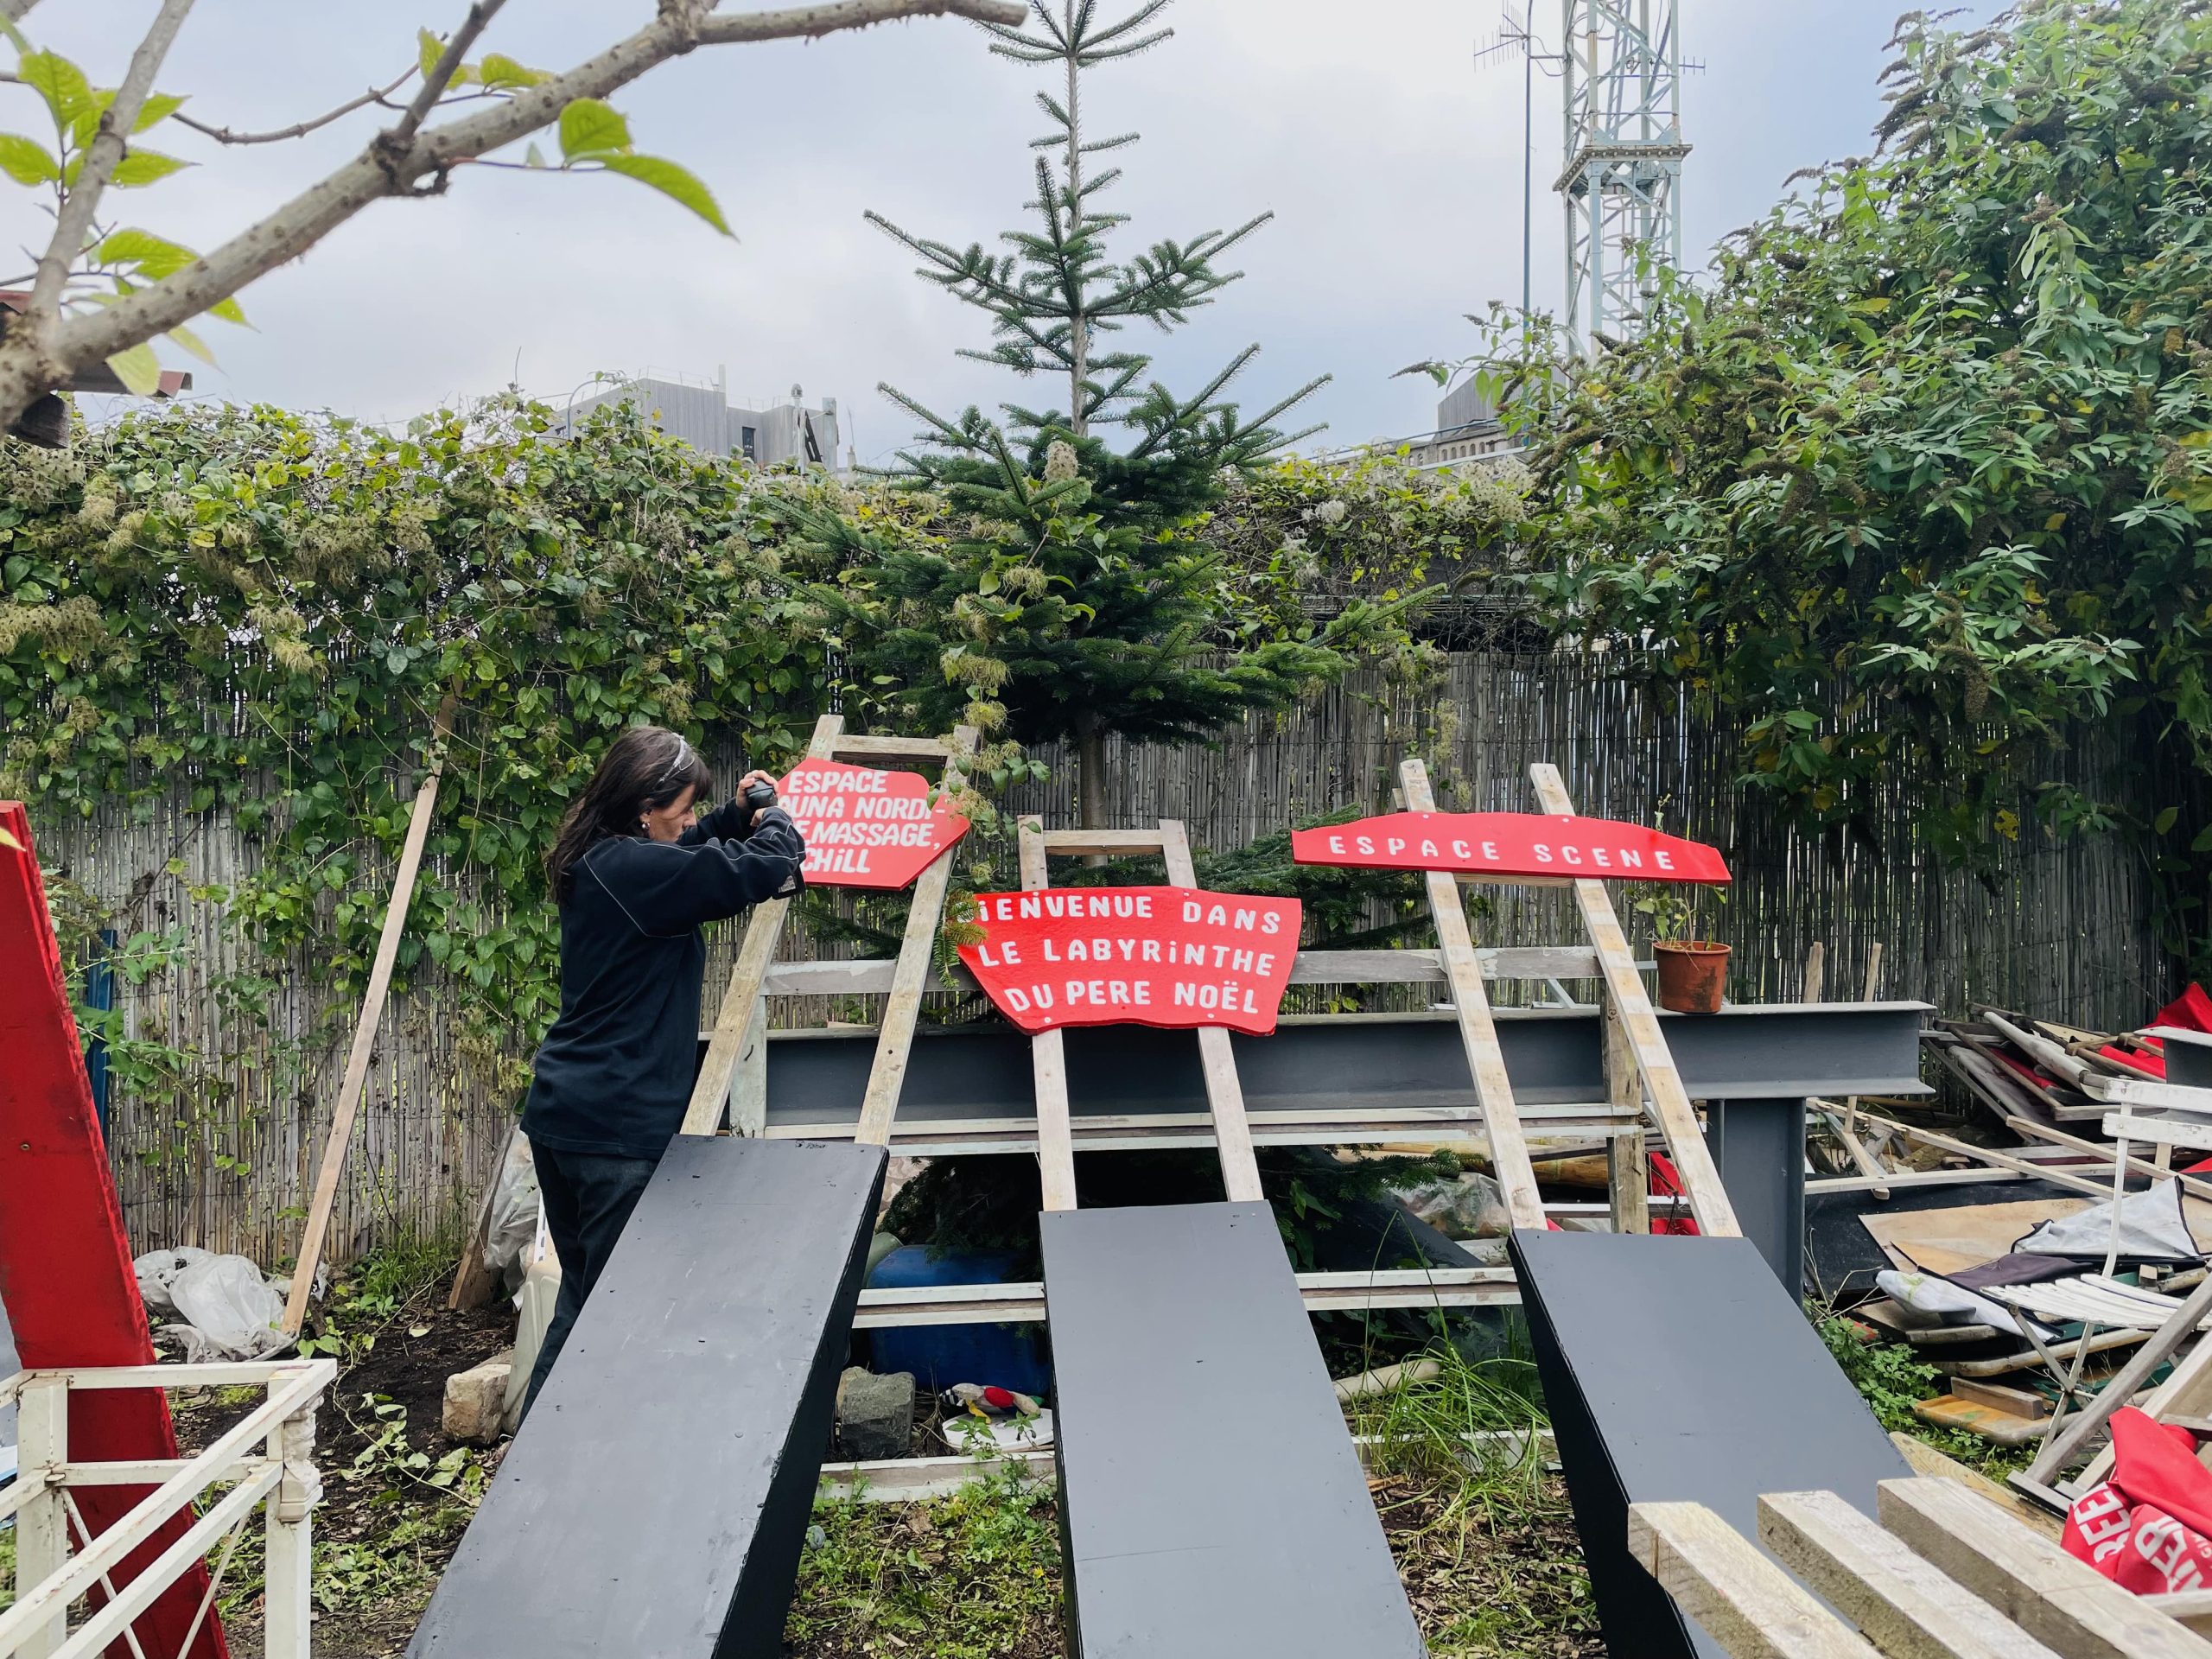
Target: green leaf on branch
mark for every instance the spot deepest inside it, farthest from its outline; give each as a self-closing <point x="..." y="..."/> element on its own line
<point x="671" y="180"/>
<point x="26" y="161"/>
<point x="138" y="369"/>
<point x="192" y="342"/>
<point x="144" y="167"/>
<point x="502" y="74"/>
<point x="60" y="82"/>
<point x="591" y="129"/>
<point x="229" y="311"/>
<point x="2165" y="821"/>
<point x="152" y="257"/>
<point x="157" y="108"/>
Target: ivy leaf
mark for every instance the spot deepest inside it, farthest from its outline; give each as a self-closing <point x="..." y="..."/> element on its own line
<point x="25" y="161"/>
<point x="592" y="128"/>
<point x="60" y="82"/>
<point x="671" y="180"/>
<point x="144" y="167"/>
<point x="2165" y="821"/>
<point x="138" y="369"/>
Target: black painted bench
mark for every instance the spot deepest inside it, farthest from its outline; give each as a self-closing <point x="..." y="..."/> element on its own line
<point x="1212" y="1501"/>
<point x="656" y="1501"/>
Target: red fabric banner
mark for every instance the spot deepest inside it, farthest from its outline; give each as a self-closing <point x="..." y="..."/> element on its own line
<point x="866" y="828"/>
<point x="65" y="1263"/>
<point x="1174" y="956"/>
<point x="1509" y="845"/>
<point x="2145" y="1528"/>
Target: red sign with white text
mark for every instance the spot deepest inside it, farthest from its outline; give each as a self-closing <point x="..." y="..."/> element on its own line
<point x="1176" y="957"/>
<point x="866" y="828"/>
<point x="1509" y="846"/>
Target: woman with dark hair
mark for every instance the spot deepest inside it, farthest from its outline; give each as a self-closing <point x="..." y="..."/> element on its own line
<point x="635" y="870"/>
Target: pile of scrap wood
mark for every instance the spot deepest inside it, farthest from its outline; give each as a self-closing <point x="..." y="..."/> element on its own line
<point x="2039" y="1070"/>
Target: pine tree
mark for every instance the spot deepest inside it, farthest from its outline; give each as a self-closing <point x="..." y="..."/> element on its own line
<point x="1073" y="599"/>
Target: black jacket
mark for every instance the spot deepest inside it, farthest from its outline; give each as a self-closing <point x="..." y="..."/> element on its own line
<point x="616" y="1071"/>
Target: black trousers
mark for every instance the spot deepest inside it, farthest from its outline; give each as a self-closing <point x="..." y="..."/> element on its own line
<point x="588" y="1198"/>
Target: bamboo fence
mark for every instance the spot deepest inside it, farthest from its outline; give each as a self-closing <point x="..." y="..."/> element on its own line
<point x="2062" y="932"/>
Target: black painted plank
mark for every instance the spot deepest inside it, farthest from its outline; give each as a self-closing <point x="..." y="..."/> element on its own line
<point x="655" y="1503"/>
<point x="1211" y="1502"/>
<point x="1680" y="1369"/>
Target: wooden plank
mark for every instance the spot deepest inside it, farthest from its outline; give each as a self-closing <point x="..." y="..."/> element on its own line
<point x="1047" y="1053"/>
<point x="916" y="950"/>
<point x="335" y="1149"/>
<point x="1718" y="1577"/>
<point x="1927" y="1460"/>
<point x="1065" y="844"/>
<point x="2000" y="1160"/>
<point x="1239" y="1173"/>
<point x="2190" y="1607"/>
<point x="2021" y="1403"/>
<point x="2064" y="1604"/>
<point x="1873" y="971"/>
<point x="2104" y="1150"/>
<point x="1905" y="1606"/>
<point x="1517" y="1179"/>
<point x="875" y="976"/>
<point x="763" y="930"/>
<point x="2147" y="1093"/>
<point x="1816" y="971"/>
<point x="1670" y="1104"/>
<point x="1628" y="1185"/>
<point x="875" y="751"/>
<point x="2040" y="1049"/>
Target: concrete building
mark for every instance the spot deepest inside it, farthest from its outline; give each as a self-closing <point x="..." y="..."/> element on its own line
<point x="1467" y="431"/>
<point x="699" y="413"/>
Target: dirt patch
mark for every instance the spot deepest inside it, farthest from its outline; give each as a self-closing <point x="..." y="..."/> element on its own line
<point x="1492" y="1578"/>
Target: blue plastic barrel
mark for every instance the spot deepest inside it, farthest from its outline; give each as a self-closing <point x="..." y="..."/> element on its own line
<point x="1001" y="1355"/>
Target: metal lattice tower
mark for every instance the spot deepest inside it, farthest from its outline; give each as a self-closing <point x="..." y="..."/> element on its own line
<point x="1622" y="184"/>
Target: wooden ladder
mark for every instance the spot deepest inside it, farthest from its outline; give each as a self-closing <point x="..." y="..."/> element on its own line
<point x="733" y="1078"/>
<point x="1640" y="1072"/>
<point x="1240" y="1171"/>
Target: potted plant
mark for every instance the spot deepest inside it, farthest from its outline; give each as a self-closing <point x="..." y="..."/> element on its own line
<point x="1693" y="971"/>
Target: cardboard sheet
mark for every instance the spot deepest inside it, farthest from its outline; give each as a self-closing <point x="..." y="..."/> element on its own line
<point x="1950" y="1240"/>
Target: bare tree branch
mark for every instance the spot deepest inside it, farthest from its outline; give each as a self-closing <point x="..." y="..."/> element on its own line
<point x="441" y="73"/>
<point x="101" y="156"/>
<point x="298" y="128"/>
<point x="386" y="171"/>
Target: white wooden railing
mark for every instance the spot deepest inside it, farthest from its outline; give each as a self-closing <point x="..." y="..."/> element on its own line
<point x="57" y="1562"/>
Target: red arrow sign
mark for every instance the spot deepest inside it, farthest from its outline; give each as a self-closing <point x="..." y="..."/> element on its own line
<point x="866" y="828"/>
<point x="1175" y="956"/>
<point x="1507" y="846"/>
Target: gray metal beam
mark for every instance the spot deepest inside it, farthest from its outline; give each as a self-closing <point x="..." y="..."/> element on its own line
<point x="1316" y="1062"/>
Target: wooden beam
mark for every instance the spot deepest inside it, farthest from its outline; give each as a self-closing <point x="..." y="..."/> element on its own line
<point x="1670" y="1103"/>
<point x="1113" y="843"/>
<point x="894" y="1039"/>
<point x="1628" y="1186"/>
<point x="763" y="930"/>
<point x="1905" y="1606"/>
<point x="1716" y="1576"/>
<point x="1816" y="972"/>
<point x="875" y="751"/>
<point x="335" y="1149"/>
<point x="1048" y="1052"/>
<point x="2064" y="1604"/>
<point x="2195" y="1185"/>
<point x="1239" y="1173"/>
<point x="2000" y="1160"/>
<point x="1516" y="1178"/>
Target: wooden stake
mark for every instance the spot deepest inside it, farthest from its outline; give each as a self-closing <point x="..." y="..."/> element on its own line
<point x="1048" y="1052"/>
<point x="1240" y="1171"/>
<point x="1628" y="1185"/>
<point x="925" y="915"/>
<point x="1816" y="971"/>
<point x="1873" y="971"/>
<point x="1670" y="1102"/>
<point x="365" y="1030"/>
<point x="763" y="930"/>
<point x="1508" y="1146"/>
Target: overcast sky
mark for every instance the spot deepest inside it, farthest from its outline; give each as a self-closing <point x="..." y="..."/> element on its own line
<point x="1391" y="160"/>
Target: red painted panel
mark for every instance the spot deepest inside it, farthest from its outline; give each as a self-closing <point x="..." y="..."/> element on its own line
<point x="866" y="828"/>
<point x="65" y="1262"/>
<point x="1172" y="957"/>
<point x="1507" y="846"/>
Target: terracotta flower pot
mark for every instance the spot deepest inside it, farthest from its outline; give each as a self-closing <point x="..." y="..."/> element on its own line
<point x="1692" y="973"/>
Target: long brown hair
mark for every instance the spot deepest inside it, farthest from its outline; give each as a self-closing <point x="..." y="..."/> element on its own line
<point x="643" y="770"/>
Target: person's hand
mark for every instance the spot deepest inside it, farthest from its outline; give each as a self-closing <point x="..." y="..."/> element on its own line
<point x="755" y="776"/>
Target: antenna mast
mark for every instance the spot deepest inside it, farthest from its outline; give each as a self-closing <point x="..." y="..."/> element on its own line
<point x="1622" y="182"/>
